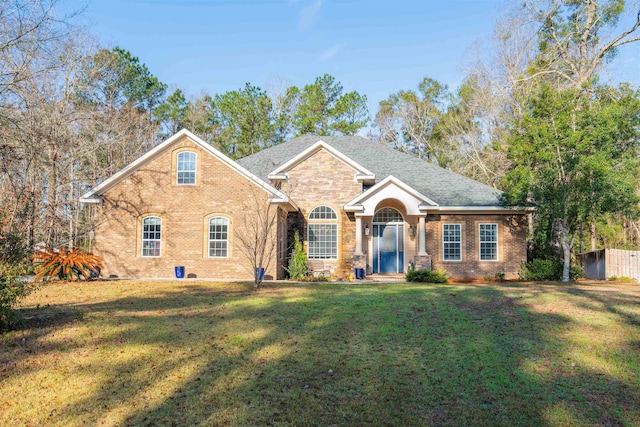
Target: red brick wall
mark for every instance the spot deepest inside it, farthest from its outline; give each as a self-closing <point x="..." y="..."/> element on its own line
<point x="512" y="245"/>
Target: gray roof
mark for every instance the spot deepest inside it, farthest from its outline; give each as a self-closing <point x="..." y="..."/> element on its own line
<point x="443" y="186"/>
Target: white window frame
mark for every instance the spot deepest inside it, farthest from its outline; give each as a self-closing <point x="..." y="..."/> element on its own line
<point x="481" y="242"/>
<point x="155" y="240"/>
<point x="444" y="243"/>
<point x="218" y="240"/>
<point x="323" y="216"/>
<point x="179" y="163"/>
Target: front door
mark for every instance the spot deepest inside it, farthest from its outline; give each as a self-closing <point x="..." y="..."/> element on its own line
<point x="388" y="248"/>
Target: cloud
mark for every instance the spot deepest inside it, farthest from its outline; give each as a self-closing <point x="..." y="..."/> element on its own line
<point x="309" y="14"/>
<point x="329" y="53"/>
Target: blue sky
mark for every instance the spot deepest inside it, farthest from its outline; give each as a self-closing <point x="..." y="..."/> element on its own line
<point x="376" y="47"/>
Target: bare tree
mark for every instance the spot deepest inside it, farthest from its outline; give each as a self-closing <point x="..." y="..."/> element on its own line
<point x="258" y="242"/>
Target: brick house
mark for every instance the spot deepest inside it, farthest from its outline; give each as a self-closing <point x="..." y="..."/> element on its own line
<point x="355" y="203"/>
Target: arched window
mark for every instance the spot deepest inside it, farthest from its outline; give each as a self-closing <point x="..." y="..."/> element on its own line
<point x="151" y="236"/>
<point x="388" y="215"/>
<point x="186" y="167"/>
<point x="323" y="212"/>
<point x="218" y="237"/>
<point x="323" y="233"/>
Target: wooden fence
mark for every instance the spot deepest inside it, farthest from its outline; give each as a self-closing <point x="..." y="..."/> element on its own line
<point x="607" y="263"/>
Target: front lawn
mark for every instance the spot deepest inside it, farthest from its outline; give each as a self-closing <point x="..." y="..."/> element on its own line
<point x="197" y="353"/>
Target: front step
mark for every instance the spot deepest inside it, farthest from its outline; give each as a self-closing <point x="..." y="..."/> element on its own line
<point x="386" y="277"/>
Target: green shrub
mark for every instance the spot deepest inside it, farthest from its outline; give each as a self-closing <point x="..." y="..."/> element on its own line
<point x="13" y="287"/>
<point x="547" y="269"/>
<point x="66" y="265"/>
<point x="539" y="269"/>
<point x="297" y="268"/>
<point x="427" y="276"/>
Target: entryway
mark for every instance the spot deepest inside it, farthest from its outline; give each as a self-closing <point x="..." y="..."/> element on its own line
<point x="388" y="241"/>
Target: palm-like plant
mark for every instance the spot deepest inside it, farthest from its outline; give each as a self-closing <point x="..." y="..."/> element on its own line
<point x="66" y="265"/>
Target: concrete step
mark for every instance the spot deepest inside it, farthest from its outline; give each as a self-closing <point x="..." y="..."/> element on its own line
<point x="387" y="277"/>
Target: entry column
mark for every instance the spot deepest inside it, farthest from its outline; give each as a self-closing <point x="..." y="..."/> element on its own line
<point x="422" y="246"/>
<point x="358" y="236"/>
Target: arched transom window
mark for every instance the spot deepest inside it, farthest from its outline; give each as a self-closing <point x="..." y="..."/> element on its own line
<point x="388" y="215"/>
<point x="323" y="233"/>
<point x="323" y="212"/>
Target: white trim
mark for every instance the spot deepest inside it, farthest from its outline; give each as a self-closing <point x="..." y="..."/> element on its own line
<point x="496" y="242"/>
<point x="355" y="204"/>
<point x="460" y="242"/>
<point x="93" y="195"/>
<point x="362" y="173"/>
<point x="481" y="209"/>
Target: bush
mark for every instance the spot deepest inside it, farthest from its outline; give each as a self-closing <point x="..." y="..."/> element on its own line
<point x="297" y="268"/>
<point x="540" y="269"/>
<point x="63" y="264"/>
<point x="427" y="276"/>
<point x="13" y="287"/>
<point x="547" y="269"/>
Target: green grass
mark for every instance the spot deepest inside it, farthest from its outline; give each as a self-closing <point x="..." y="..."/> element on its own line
<point x="196" y="353"/>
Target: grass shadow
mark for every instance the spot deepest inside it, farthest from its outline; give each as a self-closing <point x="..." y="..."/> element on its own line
<point x="393" y="354"/>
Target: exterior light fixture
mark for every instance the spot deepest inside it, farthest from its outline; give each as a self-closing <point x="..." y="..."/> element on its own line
<point x="412" y="230"/>
<point x="366" y="230"/>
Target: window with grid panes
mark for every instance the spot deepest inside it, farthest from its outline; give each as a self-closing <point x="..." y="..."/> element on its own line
<point x="488" y="242"/>
<point x="452" y="242"/>
<point x="151" y="236"/>
<point x="218" y="237"/>
<point x="322" y="237"/>
<point x="186" y="167"/>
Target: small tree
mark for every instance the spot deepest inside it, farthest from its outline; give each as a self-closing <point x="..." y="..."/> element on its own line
<point x="298" y="265"/>
<point x="257" y="238"/>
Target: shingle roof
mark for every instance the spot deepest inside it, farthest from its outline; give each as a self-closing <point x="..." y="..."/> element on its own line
<point x="445" y="187"/>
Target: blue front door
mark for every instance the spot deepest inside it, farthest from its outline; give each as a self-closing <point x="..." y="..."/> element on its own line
<point x="388" y="248"/>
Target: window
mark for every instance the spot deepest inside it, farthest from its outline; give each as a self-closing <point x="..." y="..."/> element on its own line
<point x="388" y="215"/>
<point x="218" y="237"/>
<point x="323" y="212"/>
<point x="151" y="236"/>
<point x="488" y="242"/>
<point x="452" y="242"/>
<point x="186" y="167"/>
<point x="322" y="236"/>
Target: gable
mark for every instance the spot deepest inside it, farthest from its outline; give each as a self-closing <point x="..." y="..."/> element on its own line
<point x="182" y="139"/>
<point x="390" y="188"/>
<point x="360" y="173"/>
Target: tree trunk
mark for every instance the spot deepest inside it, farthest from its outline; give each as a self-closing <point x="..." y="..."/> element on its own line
<point x="567" y="245"/>
<point x="566" y="267"/>
<point x="593" y="235"/>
